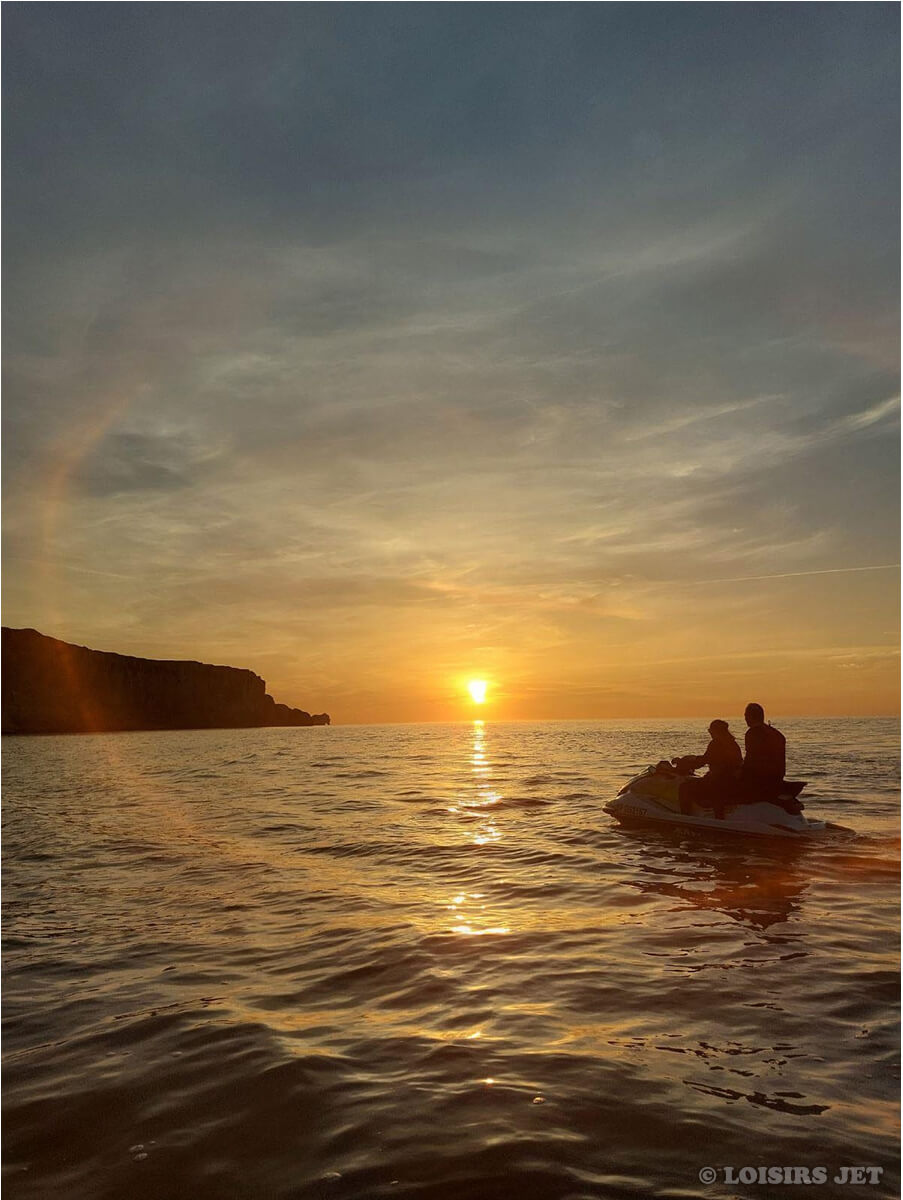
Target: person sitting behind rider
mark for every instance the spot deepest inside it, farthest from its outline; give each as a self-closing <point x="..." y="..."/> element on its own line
<point x="765" y="760"/>
<point x="724" y="759"/>
<point x="766" y="754"/>
<point x="765" y="765"/>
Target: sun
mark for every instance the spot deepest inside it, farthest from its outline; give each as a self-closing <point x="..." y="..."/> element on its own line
<point x="477" y="689"/>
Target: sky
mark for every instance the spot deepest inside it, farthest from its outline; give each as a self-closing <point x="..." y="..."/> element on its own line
<point x="382" y="347"/>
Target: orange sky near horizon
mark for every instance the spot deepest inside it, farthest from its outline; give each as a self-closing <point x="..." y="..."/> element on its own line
<point x="655" y="652"/>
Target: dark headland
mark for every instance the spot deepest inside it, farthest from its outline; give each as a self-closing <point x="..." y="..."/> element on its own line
<point x="51" y="686"/>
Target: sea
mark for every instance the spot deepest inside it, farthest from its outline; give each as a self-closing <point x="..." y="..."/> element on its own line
<point x="420" y="961"/>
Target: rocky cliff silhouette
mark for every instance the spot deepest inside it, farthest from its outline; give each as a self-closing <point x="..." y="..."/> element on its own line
<point x="51" y="686"/>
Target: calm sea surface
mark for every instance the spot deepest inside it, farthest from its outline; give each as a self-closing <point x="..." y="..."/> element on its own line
<point x="420" y="961"/>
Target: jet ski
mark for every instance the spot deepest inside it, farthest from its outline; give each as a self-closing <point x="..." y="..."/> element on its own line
<point x="654" y="796"/>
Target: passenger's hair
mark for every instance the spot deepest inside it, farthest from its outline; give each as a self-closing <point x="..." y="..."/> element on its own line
<point x="756" y="711"/>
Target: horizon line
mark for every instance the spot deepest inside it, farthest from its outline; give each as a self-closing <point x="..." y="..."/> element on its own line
<point x="872" y="716"/>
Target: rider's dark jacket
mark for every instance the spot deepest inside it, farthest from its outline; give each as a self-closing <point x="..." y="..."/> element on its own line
<point x="723" y="757"/>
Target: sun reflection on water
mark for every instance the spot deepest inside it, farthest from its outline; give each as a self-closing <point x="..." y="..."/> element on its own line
<point x="472" y="915"/>
<point x="485" y="795"/>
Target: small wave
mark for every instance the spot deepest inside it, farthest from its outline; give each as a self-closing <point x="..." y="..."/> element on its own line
<point x="776" y="1102"/>
<point x="370" y="773"/>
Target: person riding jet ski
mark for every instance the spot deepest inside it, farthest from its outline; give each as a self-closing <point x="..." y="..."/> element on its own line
<point x="718" y="786"/>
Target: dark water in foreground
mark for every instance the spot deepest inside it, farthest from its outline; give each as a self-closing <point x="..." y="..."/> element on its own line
<point x="419" y="961"/>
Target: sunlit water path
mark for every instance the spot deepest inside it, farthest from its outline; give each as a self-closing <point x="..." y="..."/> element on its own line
<point x="420" y="961"/>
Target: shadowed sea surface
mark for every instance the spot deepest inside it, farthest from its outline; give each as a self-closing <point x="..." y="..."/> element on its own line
<point x="420" y="961"/>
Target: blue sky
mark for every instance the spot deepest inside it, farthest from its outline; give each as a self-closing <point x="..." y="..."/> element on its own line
<point x="377" y="346"/>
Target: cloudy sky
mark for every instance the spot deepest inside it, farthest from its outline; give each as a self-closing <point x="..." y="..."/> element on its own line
<point x="377" y="347"/>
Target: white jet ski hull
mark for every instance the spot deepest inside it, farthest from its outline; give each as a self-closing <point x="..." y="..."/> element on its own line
<point x="633" y="805"/>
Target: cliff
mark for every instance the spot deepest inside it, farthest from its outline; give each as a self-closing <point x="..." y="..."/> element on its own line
<point x="51" y="686"/>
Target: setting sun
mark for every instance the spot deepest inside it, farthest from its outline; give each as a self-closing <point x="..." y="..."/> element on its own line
<point x="477" y="689"/>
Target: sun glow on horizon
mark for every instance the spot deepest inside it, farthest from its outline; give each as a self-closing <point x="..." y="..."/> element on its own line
<point x="477" y="689"/>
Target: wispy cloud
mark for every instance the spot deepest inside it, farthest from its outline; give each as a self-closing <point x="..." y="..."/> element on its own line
<point x="794" y="574"/>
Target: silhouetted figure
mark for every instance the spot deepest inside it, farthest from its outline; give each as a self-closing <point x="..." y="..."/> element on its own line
<point x="724" y="760"/>
<point x="766" y="755"/>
